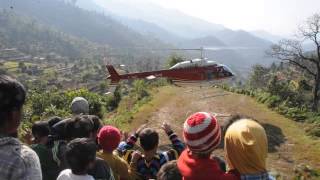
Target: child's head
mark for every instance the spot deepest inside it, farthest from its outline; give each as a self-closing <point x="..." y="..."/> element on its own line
<point x="149" y="140"/>
<point x="202" y="134"/>
<point x="40" y="131"/>
<point x="169" y="171"/>
<point x="12" y="98"/>
<point x="79" y="106"/>
<point x="109" y="138"/>
<point x="80" y="127"/>
<point x="52" y="121"/>
<point x="246" y="141"/>
<point x="59" y="129"/>
<point x="81" y="155"/>
<point x="97" y="124"/>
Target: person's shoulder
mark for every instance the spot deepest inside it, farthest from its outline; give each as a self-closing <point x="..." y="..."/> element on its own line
<point x="88" y="177"/>
<point x="65" y="175"/>
<point x="15" y="151"/>
<point x="28" y="154"/>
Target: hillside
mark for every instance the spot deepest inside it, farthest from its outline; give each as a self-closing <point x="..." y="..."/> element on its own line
<point x="238" y="49"/>
<point x="169" y="19"/>
<point x="37" y="39"/>
<point x="150" y="30"/>
<point x="242" y="39"/>
<point x="70" y="19"/>
<point x="286" y="138"/>
<point x="269" y="36"/>
<point x="207" y="41"/>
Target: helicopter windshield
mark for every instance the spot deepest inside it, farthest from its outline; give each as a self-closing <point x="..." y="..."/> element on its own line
<point x="227" y="69"/>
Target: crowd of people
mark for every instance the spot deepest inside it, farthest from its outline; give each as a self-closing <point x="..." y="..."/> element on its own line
<point x="82" y="148"/>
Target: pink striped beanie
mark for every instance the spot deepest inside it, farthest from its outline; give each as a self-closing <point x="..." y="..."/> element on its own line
<point x="201" y="132"/>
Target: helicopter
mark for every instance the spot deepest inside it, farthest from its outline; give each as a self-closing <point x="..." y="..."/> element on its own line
<point x="191" y="72"/>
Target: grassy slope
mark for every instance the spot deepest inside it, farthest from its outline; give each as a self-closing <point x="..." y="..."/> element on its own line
<point x="289" y="146"/>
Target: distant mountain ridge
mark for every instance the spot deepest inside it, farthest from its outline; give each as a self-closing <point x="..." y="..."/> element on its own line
<point x="238" y="49"/>
<point x="33" y="38"/>
<point x="70" y="19"/>
<point x="266" y="35"/>
<point x="143" y="16"/>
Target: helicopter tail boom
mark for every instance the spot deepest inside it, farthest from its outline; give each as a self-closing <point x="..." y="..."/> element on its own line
<point x="114" y="76"/>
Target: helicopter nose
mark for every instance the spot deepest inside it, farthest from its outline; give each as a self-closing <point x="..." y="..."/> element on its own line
<point x="228" y="71"/>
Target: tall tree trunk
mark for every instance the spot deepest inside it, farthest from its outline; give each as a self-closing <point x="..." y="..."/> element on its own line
<point x="316" y="92"/>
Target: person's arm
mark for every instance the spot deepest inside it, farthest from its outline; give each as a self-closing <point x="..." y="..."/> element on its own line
<point x="131" y="141"/>
<point x="136" y="155"/>
<point x="177" y="144"/>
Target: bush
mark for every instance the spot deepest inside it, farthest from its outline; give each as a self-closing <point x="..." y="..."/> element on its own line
<point x="45" y="104"/>
<point x="139" y="89"/>
<point x="273" y="101"/>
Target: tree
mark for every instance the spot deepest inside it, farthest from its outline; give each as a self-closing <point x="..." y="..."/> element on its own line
<point x="292" y="52"/>
<point x="259" y="77"/>
<point x="174" y="59"/>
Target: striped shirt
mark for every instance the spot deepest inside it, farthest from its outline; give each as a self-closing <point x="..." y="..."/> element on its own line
<point x="149" y="170"/>
<point x="262" y="176"/>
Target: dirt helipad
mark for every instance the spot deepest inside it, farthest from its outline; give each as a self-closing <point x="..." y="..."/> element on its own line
<point x="288" y="144"/>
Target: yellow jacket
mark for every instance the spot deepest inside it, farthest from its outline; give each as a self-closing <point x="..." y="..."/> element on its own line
<point x="121" y="169"/>
<point x="246" y="147"/>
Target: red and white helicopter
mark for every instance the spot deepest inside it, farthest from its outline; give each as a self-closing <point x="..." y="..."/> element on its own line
<point x="186" y="73"/>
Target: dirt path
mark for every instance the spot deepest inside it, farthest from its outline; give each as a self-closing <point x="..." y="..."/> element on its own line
<point x="288" y="144"/>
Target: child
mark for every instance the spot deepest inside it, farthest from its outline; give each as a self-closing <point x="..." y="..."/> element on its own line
<point x="109" y="139"/>
<point x="246" y="148"/>
<point x="83" y="127"/>
<point x="202" y="135"/>
<point x="148" y="164"/>
<point x="169" y="171"/>
<point x="80" y="155"/>
<point x="40" y="131"/>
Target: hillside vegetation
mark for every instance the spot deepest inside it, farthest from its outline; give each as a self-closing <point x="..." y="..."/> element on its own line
<point x="70" y="19"/>
<point x="36" y="39"/>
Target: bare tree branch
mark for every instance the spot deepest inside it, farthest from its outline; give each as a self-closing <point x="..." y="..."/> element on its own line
<point x="292" y="52"/>
<point x="300" y="66"/>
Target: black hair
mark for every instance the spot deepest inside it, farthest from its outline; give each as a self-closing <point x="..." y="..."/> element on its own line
<point x="95" y="120"/>
<point x="228" y="122"/>
<point x="53" y="120"/>
<point x="149" y="139"/>
<point x="40" y="129"/>
<point x="12" y="96"/>
<point x="80" y="152"/>
<point x="59" y="130"/>
<point x="234" y="118"/>
<point x="97" y="124"/>
<point x="169" y="171"/>
<point x="79" y="127"/>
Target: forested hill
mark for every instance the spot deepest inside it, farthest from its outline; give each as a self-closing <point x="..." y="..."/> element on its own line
<point x="68" y="18"/>
<point x="36" y="39"/>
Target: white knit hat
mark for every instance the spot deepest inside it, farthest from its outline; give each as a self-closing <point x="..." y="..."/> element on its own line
<point x="79" y="105"/>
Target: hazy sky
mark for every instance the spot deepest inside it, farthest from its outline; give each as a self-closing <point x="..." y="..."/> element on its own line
<point x="276" y="16"/>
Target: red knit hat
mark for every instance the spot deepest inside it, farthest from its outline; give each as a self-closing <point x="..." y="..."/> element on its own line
<point x="201" y="132"/>
<point x="109" y="138"/>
